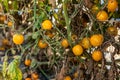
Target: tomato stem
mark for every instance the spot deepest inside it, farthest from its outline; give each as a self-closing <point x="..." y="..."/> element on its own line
<point x="67" y="21"/>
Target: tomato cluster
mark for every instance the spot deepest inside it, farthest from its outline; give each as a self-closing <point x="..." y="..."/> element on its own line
<point x="72" y="37"/>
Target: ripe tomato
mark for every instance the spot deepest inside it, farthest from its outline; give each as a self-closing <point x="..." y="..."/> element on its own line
<point x="28" y="79"/>
<point x="67" y="78"/>
<point x="112" y="5"/>
<point x="27" y="62"/>
<point x="102" y="16"/>
<point x="96" y="40"/>
<point x="35" y="75"/>
<point x="2" y="18"/>
<point x="64" y="43"/>
<point x="42" y="44"/>
<point x="18" y="38"/>
<point x="97" y="55"/>
<point x="47" y="25"/>
<point x="112" y="31"/>
<point x="77" y="50"/>
<point x="86" y="43"/>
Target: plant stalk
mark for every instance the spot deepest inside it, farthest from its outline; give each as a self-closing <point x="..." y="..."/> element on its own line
<point x="67" y="21"/>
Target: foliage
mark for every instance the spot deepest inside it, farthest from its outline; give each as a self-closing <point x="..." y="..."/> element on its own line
<point x="44" y="24"/>
<point x="11" y="71"/>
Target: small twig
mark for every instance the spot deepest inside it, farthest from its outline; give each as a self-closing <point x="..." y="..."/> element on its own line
<point x="77" y="9"/>
<point x="34" y="15"/>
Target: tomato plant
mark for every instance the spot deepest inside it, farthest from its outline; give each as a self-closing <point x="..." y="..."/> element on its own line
<point x="59" y="39"/>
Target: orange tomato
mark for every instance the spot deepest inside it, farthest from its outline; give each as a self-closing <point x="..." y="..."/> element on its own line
<point x="42" y="44"/>
<point x="112" y="5"/>
<point x="64" y="43"/>
<point x="96" y="40"/>
<point x="67" y="78"/>
<point x="47" y="25"/>
<point x="97" y="55"/>
<point x="86" y="43"/>
<point x="10" y="24"/>
<point x="112" y="31"/>
<point x="18" y="38"/>
<point x="2" y="18"/>
<point x="28" y="79"/>
<point x="35" y="75"/>
<point x="102" y="15"/>
<point x="77" y="50"/>
<point x="27" y="62"/>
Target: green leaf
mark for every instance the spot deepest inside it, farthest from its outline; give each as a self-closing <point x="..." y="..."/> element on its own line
<point x="48" y="8"/>
<point x="41" y="4"/>
<point x="19" y="74"/>
<point x="55" y="16"/>
<point x="14" y="71"/>
<point x="35" y="35"/>
<point x="42" y="17"/>
<point x="5" y="64"/>
<point x="5" y="2"/>
<point x="4" y="67"/>
<point x="15" y="5"/>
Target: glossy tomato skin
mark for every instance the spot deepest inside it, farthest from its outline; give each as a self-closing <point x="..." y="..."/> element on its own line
<point x="42" y="44"/>
<point x="102" y="16"/>
<point x="97" y="55"/>
<point x="47" y="25"/>
<point x="28" y="79"/>
<point x="18" y="39"/>
<point x="67" y="78"/>
<point x="112" y="5"/>
<point x="34" y="75"/>
<point x="64" y="43"/>
<point x="85" y="42"/>
<point x="96" y="40"/>
<point x="27" y="62"/>
<point x="77" y="50"/>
